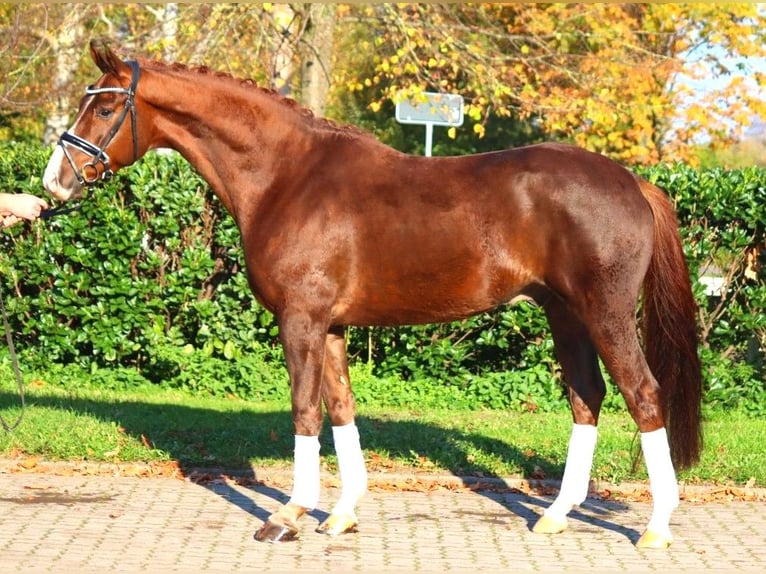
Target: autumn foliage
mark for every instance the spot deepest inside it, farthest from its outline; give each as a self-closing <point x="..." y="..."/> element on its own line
<point x="621" y="79"/>
<point x="605" y="76"/>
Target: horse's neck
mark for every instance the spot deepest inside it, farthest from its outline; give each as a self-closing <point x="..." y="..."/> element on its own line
<point x="233" y="136"/>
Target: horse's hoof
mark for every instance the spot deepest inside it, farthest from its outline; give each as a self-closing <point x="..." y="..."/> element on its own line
<point x="338" y="524"/>
<point x="272" y="532"/>
<point x="547" y="525"/>
<point x="651" y="539"/>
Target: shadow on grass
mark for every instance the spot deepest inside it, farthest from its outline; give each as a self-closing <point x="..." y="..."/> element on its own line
<point x="207" y="438"/>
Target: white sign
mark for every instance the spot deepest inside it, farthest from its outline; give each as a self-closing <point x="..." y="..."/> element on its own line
<point x="431" y="108"/>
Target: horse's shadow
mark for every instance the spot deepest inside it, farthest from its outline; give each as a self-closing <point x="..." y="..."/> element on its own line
<point x="592" y="512"/>
<point x="179" y="430"/>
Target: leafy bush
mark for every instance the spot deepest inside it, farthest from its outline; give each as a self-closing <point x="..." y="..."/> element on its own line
<point x="147" y="281"/>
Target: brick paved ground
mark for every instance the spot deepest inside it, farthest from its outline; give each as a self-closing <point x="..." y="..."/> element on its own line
<point x="106" y="524"/>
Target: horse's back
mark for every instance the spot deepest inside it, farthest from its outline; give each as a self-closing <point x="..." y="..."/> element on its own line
<point x="535" y="202"/>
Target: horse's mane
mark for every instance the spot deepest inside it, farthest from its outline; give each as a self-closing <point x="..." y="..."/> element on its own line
<point x="290" y="103"/>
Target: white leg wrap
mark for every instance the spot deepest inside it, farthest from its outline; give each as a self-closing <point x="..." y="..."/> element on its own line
<point x="662" y="479"/>
<point x="574" y="485"/>
<point x="306" y="472"/>
<point x="353" y="474"/>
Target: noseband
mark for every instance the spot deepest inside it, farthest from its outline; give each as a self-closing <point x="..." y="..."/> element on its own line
<point x="88" y="174"/>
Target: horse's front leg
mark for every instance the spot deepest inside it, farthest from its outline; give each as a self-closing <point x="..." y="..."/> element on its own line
<point x="587" y="389"/>
<point x="339" y="401"/>
<point x="303" y="339"/>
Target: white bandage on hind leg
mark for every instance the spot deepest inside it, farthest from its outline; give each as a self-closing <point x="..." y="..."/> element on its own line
<point x="574" y="485"/>
<point x="662" y="479"/>
<point x="353" y="474"/>
<point x="306" y="472"/>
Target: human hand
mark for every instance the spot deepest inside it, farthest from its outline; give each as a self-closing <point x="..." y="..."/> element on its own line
<point x="17" y="206"/>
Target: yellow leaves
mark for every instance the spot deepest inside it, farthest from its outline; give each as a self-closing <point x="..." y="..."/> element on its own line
<point x="601" y="75"/>
<point x="696" y="114"/>
<point x="410" y="68"/>
<point x="614" y="139"/>
<point x="473" y="112"/>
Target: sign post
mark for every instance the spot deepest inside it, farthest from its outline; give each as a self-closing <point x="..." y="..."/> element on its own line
<point x="431" y="109"/>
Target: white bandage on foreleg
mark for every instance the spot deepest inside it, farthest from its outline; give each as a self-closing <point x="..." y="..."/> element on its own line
<point x="662" y="479"/>
<point x="306" y="472"/>
<point x="574" y="485"/>
<point x="353" y="474"/>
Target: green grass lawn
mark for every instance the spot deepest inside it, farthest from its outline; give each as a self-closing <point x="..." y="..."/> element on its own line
<point x="161" y="425"/>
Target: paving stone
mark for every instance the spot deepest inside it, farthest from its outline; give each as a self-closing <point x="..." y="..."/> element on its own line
<point x="111" y="523"/>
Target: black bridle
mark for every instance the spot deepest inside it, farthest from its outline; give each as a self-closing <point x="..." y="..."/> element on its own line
<point x="89" y="174"/>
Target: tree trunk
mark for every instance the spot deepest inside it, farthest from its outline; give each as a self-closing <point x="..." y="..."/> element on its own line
<point x="169" y="22"/>
<point x="316" y="56"/>
<point x="66" y="43"/>
<point x="284" y="52"/>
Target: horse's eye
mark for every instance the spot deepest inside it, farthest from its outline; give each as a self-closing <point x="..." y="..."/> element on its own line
<point x="104" y="113"/>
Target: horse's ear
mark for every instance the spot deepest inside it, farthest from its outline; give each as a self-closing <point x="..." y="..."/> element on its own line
<point x="106" y="60"/>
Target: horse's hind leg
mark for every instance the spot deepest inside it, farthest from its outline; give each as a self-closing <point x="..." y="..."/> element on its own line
<point x="579" y="363"/>
<point x="617" y="342"/>
<point x="339" y="402"/>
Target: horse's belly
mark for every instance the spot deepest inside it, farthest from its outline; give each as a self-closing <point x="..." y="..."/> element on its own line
<point x="434" y="300"/>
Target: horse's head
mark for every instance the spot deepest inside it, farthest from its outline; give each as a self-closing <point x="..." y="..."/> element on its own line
<point x="105" y="135"/>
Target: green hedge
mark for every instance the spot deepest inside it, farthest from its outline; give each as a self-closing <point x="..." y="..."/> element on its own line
<point x="145" y="282"/>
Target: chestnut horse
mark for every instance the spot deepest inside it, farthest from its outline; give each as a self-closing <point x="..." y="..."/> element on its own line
<point x="339" y="229"/>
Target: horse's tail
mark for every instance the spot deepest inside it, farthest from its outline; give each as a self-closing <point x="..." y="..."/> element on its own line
<point x="670" y="332"/>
